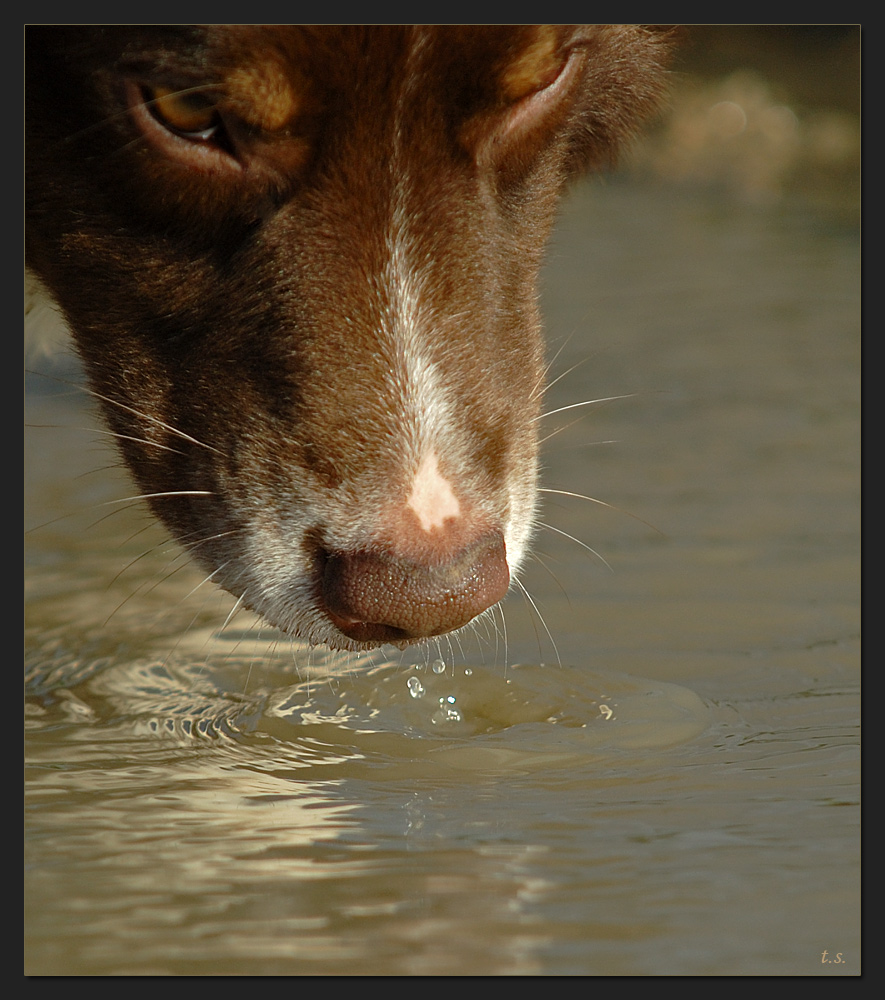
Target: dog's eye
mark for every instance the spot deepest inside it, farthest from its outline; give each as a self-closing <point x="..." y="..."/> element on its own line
<point x="188" y="113"/>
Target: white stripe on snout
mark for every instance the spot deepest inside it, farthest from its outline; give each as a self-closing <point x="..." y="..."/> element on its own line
<point x="426" y="407"/>
<point x="428" y="426"/>
<point x="432" y="499"/>
<point x="425" y="410"/>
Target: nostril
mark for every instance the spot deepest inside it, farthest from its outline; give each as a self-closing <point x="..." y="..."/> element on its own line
<point x="381" y="597"/>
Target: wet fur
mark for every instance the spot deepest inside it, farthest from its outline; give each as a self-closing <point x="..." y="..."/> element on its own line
<point x="315" y="332"/>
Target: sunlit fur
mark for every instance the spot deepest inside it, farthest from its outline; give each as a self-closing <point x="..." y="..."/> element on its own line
<point x="307" y="300"/>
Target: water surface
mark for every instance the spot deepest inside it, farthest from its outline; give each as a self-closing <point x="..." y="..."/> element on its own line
<point x="653" y="772"/>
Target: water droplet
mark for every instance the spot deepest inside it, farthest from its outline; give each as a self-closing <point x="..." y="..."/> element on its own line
<point x="416" y="688"/>
<point x="446" y="713"/>
<point x="438" y="666"/>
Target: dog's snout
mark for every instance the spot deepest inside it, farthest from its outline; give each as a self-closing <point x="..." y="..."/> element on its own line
<point x="386" y="597"/>
<point x="301" y="264"/>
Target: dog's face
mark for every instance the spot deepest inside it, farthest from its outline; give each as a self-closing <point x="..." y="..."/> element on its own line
<point x="300" y="266"/>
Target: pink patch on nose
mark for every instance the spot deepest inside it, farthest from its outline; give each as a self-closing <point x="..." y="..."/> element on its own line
<point x="432" y="500"/>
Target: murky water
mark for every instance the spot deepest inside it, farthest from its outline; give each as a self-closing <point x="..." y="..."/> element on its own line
<point x="655" y="773"/>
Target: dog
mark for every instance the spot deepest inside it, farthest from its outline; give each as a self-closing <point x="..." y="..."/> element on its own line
<point x="300" y="265"/>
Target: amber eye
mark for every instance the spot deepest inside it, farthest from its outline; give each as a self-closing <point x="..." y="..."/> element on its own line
<point x="189" y="113"/>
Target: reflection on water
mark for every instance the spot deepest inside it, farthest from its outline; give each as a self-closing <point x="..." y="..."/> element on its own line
<point x="655" y="773"/>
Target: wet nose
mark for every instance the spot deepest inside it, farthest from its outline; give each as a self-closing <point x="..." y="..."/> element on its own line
<point x="380" y="596"/>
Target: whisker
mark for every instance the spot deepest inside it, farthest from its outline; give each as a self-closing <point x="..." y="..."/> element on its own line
<point x="501" y="633"/>
<point x="559" y="351"/>
<point x="537" y="611"/>
<point x="147" y="587"/>
<point x="185" y="548"/>
<point x="484" y="629"/>
<point x="578" y="541"/>
<point x="448" y="638"/>
<point x="602" y="503"/>
<point x="70" y="514"/>
<point x="541" y="562"/>
<point x="191" y="547"/>
<point x="568" y="371"/>
<point x="113" y="434"/>
<point x="232" y="614"/>
<point x="140" y="531"/>
<point x="565" y="427"/>
<point x="152" y="496"/>
<point x="587" y="402"/>
<point x="184" y="631"/>
<point x="138" y="558"/>
<point x="129" y="409"/>
<point x="129" y="502"/>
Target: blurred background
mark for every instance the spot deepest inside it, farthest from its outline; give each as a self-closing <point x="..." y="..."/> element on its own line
<point x="761" y="113"/>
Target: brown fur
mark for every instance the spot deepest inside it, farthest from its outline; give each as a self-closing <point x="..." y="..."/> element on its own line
<point x="291" y="319"/>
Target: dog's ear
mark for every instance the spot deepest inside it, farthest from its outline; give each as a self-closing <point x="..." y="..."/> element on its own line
<point x="545" y="103"/>
<point x="624" y="81"/>
<point x="568" y="97"/>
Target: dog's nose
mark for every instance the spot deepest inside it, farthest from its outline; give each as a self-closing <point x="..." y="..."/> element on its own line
<point x="383" y="597"/>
